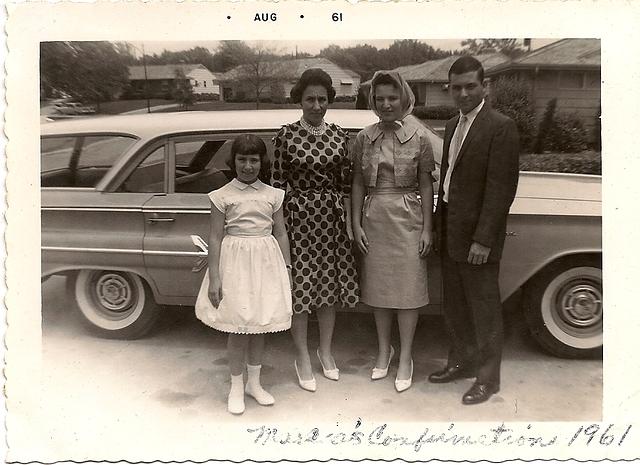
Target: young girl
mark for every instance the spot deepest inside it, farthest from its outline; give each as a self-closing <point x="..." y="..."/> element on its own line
<point x="246" y="291"/>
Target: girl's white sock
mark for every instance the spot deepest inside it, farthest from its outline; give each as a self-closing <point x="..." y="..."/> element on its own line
<point x="254" y="389"/>
<point x="235" y="403"/>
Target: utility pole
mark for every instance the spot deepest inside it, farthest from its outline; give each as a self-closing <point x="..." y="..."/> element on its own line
<point x="146" y="82"/>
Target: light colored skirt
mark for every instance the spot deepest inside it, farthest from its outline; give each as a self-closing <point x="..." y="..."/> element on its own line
<point x="393" y="275"/>
<point x="256" y="293"/>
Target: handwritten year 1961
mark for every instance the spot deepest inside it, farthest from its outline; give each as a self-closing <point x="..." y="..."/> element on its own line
<point x="605" y="438"/>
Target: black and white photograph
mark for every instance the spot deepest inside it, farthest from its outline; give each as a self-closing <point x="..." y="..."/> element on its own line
<point x="272" y="242"/>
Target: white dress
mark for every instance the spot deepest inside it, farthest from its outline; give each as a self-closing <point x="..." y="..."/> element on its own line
<point x="256" y="294"/>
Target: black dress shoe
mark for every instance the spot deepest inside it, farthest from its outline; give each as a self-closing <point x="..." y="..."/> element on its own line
<point x="450" y="373"/>
<point x="479" y="393"/>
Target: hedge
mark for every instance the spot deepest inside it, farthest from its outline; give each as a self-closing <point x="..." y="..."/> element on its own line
<point x="442" y="112"/>
<point x="587" y="162"/>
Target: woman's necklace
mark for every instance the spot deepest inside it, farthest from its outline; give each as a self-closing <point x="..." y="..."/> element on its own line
<point x="315" y="130"/>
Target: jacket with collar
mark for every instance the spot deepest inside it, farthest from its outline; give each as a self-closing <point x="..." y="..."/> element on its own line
<point x="483" y="184"/>
<point x="412" y="152"/>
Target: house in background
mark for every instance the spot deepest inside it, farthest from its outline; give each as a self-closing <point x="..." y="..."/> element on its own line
<point x="430" y="80"/>
<point x="568" y="70"/>
<point x="282" y="76"/>
<point x="163" y="79"/>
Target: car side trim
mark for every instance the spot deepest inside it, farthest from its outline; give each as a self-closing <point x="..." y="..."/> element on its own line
<point x="92" y="209"/>
<point x="89" y="249"/>
<point x="171" y="253"/>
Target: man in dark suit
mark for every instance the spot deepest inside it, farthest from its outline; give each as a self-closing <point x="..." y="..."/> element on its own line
<point x="479" y="176"/>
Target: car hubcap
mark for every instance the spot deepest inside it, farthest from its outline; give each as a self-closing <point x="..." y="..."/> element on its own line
<point x="581" y="305"/>
<point x="578" y="306"/>
<point x="114" y="292"/>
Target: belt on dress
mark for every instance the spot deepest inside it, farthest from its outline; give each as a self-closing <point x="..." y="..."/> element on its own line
<point x="390" y="190"/>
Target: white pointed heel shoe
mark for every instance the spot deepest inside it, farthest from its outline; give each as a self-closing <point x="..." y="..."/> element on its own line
<point x="306" y="384"/>
<point x="333" y="374"/>
<point x="379" y="373"/>
<point x="404" y="384"/>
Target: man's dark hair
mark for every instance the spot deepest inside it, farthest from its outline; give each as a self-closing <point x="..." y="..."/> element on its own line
<point x="466" y="64"/>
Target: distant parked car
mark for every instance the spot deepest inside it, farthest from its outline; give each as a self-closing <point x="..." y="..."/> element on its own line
<point x="125" y="216"/>
<point x="73" y="108"/>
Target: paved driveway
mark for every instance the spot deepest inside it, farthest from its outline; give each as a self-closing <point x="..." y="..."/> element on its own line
<point x="175" y="382"/>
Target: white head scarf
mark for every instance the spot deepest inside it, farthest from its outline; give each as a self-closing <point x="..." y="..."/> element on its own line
<point x="406" y="94"/>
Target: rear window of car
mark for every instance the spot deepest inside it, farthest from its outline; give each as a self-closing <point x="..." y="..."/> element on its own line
<point x="79" y="161"/>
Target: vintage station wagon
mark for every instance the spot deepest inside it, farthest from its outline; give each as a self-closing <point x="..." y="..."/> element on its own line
<point x="125" y="218"/>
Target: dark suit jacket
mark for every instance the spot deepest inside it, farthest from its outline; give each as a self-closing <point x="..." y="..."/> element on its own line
<point x="483" y="184"/>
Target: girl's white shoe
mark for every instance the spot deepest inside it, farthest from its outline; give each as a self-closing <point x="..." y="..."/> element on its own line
<point x="306" y="384"/>
<point x="379" y="373"/>
<point x="404" y="384"/>
<point x="333" y="374"/>
<point x="235" y="402"/>
<point x="254" y="389"/>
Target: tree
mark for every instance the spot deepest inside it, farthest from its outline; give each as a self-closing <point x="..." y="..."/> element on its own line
<point x="263" y="69"/>
<point x="510" y="47"/>
<point x="411" y="52"/>
<point x="87" y="71"/>
<point x="231" y="53"/>
<point x="195" y="55"/>
<point x="183" y="93"/>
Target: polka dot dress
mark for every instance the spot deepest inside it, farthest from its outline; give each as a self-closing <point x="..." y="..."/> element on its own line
<point x="315" y="171"/>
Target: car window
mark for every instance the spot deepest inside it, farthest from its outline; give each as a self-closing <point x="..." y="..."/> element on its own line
<point x="55" y="159"/>
<point x="79" y="161"/>
<point x="202" y="164"/>
<point x="148" y="176"/>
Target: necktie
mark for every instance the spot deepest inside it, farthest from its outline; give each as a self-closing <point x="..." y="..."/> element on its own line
<point x="459" y="139"/>
<point x="454" y="149"/>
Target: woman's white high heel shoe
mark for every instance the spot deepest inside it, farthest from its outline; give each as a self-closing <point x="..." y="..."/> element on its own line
<point x="333" y="374"/>
<point x="379" y="373"/>
<point x="404" y="384"/>
<point x="306" y="384"/>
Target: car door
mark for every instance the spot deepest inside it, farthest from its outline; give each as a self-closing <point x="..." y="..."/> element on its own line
<point x="81" y="226"/>
<point x="177" y="222"/>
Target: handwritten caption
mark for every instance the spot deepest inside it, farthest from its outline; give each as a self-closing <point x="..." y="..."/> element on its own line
<point x="382" y="435"/>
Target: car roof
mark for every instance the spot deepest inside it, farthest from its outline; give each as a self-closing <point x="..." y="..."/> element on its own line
<point x="148" y="126"/>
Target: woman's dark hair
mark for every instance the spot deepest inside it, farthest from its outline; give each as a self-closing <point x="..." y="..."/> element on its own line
<point x="250" y="144"/>
<point x="465" y="64"/>
<point x="313" y="77"/>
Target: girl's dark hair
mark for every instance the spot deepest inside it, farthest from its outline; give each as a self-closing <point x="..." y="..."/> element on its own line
<point x="250" y="144"/>
<point x="313" y="77"/>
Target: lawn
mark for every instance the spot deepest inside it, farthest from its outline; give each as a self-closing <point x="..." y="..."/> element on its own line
<point x="226" y="106"/>
<point x="122" y="106"/>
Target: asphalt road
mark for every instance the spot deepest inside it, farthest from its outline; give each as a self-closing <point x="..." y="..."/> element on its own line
<point x="176" y="379"/>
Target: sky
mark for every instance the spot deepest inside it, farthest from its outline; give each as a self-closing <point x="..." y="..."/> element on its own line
<point x="310" y="46"/>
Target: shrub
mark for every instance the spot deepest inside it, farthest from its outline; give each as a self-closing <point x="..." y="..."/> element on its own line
<point x="597" y="131"/>
<point x="567" y="134"/>
<point x="588" y="162"/>
<point x="434" y="112"/>
<point x="545" y="125"/>
<point x="512" y="97"/>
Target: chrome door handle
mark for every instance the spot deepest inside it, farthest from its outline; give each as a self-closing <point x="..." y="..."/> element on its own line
<point x="161" y="220"/>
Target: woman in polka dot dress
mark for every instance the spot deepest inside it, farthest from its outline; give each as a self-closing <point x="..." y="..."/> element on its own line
<point x="311" y="163"/>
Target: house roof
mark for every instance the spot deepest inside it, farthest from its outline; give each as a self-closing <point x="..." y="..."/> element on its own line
<point x="297" y="66"/>
<point x="565" y="53"/>
<point x="162" y="71"/>
<point x="438" y="70"/>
